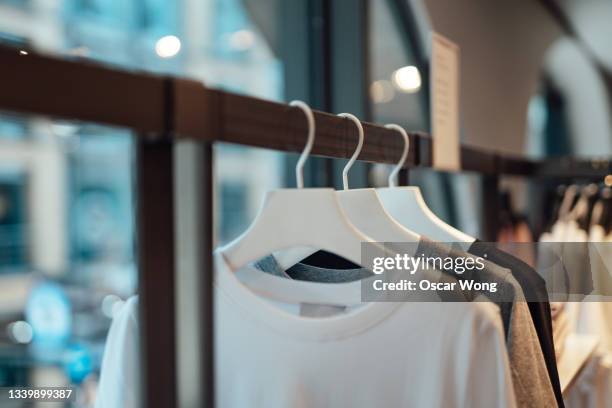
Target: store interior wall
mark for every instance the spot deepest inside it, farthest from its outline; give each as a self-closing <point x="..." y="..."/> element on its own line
<point x="591" y="20"/>
<point x="508" y="48"/>
<point x="502" y="50"/>
<point x="581" y="68"/>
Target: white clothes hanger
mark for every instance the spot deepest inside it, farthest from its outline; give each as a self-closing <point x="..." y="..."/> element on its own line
<point x="407" y="206"/>
<point x="363" y="207"/>
<point x="299" y="217"/>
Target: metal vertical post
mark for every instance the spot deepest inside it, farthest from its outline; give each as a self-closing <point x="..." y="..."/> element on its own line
<point x="490" y="207"/>
<point x="196" y="194"/>
<point x="403" y="177"/>
<point x="206" y="278"/>
<point x="156" y="272"/>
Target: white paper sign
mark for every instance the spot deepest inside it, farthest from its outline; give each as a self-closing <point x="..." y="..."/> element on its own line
<point x="445" y="103"/>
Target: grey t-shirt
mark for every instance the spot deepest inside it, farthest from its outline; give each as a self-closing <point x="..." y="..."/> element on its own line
<point x="311" y="273"/>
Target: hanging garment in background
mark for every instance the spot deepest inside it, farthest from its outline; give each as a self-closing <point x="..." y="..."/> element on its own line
<point x="517" y="232"/>
<point x="595" y="318"/>
<point x="600" y="255"/>
<point x="383" y="354"/>
<point x="534" y="288"/>
<point x="561" y="328"/>
<point x="587" y="260"/>
<point x="568" y="242"/>
<point x="593" y="387"/>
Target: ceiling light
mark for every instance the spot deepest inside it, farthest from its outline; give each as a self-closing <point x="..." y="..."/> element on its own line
<point x="407" y="79"/>
<point x="168" y="46"/>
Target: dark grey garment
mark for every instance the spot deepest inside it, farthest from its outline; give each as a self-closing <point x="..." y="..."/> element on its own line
<point x="270" y="265"/>
<point x="506" y="288"/>
<point x="534" y="288"/>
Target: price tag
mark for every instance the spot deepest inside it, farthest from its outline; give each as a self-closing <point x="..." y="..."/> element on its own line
<point x="445" y="103"/>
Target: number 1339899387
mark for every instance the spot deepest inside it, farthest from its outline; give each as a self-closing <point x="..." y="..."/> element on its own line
<point x="58" y="394"/>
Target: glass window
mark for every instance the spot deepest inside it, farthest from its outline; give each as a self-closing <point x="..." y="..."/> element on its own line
<point x="66" y="250"/>
<point x="13" y="220"/>
<point x="397" y="91"/>
<point x="67" y="198"/>
<point x="399" y="94"/>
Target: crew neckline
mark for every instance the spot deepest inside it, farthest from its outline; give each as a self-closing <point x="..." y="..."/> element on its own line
<point x="253" y="290"/>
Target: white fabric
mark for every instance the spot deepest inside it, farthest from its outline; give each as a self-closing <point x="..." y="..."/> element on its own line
<point x="558" y="232"/>
<point x="595" y="318"/>
<point x="120" y="379"/>
<point x="567" y="261"/>
<point x="594" y="315"/>
<point x="600" y="256"/>
<point x="382" y="354"/>
<point x="593" y="387"/>
<point x="561" y="330"/>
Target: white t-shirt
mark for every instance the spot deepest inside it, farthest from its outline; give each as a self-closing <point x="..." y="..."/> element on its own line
<point x="385" y="354"/>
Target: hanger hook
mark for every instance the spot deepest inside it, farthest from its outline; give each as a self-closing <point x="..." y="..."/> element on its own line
<point x="402" y="161"/>
<point x="299" y="167"/>
<point x="357" y="150"/>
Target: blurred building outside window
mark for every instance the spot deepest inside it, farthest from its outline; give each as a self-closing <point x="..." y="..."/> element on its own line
<point x="67" y="250"/>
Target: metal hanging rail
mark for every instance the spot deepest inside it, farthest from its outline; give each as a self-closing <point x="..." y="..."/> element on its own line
<point x="161" y="109"/>
<point x="174" y="107"/>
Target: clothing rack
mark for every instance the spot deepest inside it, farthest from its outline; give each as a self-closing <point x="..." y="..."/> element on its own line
<point x="167" y="107"/>
<point x="162" y="109"/>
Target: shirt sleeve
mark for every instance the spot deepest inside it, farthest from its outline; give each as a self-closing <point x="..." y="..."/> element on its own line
<point x="119" y="377"/>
